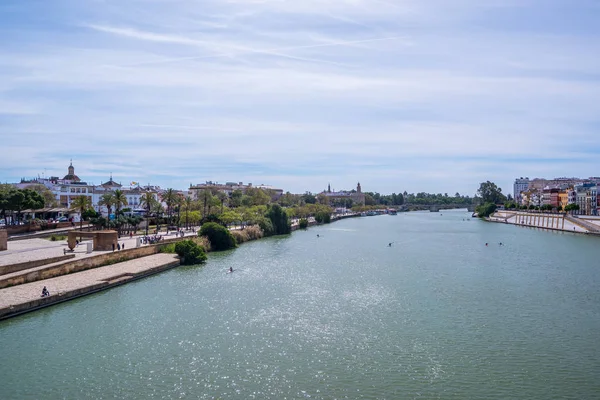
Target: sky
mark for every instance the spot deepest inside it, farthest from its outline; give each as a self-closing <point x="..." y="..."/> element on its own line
<point x="399" y="95"/>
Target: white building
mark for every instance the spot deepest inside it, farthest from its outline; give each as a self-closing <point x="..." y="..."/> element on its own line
<point x="521" y="185"/>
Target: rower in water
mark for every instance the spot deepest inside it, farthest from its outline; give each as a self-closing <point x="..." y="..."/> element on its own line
<point x="230" y="269"/>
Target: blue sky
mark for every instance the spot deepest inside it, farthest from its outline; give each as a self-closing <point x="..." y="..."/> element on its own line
<point x="415" y="95"/>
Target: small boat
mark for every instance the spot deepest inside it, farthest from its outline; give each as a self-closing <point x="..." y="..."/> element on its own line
<point x="393" y="212"/>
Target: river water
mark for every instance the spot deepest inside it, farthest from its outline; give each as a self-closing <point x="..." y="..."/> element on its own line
<point x="341" y="316"/>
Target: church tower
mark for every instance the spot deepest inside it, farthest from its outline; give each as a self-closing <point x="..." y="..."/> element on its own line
<point x="329" y="188"/>
<point x="71" y="175"/>
<point x="358" y="190"/>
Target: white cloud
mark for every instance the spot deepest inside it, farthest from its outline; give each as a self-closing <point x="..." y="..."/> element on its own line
<point x="422" y="96"/>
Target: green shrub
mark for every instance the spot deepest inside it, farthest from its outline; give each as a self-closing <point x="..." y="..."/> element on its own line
<point x="323" y="217"/>
<point x="167" y="248"/>
<point x="55" y="238"/>
<point x="279" y="220"/>
<point x="303" y="223"/>
<point x="190" y="252"/>
<point x="485" y="210"/>
<point x="266" y="226"/>
<point x="219" y="236"/>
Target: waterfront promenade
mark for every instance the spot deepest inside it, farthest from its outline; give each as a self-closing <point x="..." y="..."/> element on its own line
<point x="26" y="297"/>
<point x="39" y="252"/>
<point x="559" y="222"/>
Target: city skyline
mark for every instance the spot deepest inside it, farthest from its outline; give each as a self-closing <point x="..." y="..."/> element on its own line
<point x="419" y="96"/>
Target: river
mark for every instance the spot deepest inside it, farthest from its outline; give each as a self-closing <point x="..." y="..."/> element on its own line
<point x="438" y="315"/>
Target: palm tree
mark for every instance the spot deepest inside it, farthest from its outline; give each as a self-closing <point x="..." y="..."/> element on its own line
<point x="170" y="199"/>
<point x="120" y="200"/>
<point x="178" y="203"/>
<point x="147" y="202"/>
<point x="157" y="209"/>
<point x="187" y="204"/>
<point x="107" y="200"/>
<point x="222" y="197"/>
<point x="81" y="204"/>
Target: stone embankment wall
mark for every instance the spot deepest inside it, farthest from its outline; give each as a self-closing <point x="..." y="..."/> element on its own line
<point x="557" y="222"/>
<point x="3" y="240"/>
<point x="8" y="269"/>
<point x="83" y="264"/>
<point x="541" y="221"/>
<point x="20" y="308"/>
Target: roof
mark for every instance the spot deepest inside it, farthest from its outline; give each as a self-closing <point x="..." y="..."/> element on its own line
<point x="111" y="183"/>
<point x="71" y="177"/>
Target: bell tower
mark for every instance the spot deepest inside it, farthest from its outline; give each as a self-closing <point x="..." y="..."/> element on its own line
<point x="71" y="168"/>
<point x="358" y="189"/>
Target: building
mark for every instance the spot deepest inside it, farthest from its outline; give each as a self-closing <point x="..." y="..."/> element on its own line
<point x="550" y="197"/>
<point x="521" y="185"/>
<point x="356" y="197"/>
<point x="195" y="191"/>
<point x="586" y="197"/>
<point x="563" y="198"/>
<point x="65" y="190"/>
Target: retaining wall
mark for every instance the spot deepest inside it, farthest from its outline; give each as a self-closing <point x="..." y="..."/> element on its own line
<point x="7" y="269"/>
<point x="17" y="309"/>
<point x="3" y="240"/>
<point x="83" y="264"/>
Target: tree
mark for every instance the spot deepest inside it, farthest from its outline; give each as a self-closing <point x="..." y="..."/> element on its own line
<point x="279" y="219"/>
<point x="486" y="209"/>
<point x="571" y="208"/>
<point x="120" y="200"/>
<point x="81" y="204"/>
<point x="49" y="199"/>
<point x="22" y="199"/>
<point x="5" y="196"/>
<point x="369" y="200"/>
<point x="230" y="216"/>
<point x="188" y="203"/>
<point x="258" y="197"/>
<point x="206" y="197"/>
<point x="147" y="201"/>
<point x="107" y="200"/>
<point x="490" y="193"/>
<point x="222" y="198"/>
<point x="170" y="199"/>
<point x="309" y="198"/>
<point x="190" y="252"/>
<point x="236" y="198"/>
<point x="220" y="238"/>
<point x="157" y="210"/>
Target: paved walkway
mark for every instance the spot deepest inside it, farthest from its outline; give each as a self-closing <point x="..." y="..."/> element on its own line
<point x="28" y="292"/>
<point x="38" y="249"/>
<point x="500" y="216"/>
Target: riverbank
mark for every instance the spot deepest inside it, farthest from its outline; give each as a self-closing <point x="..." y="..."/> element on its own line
<point x="19" y="298"/>
<point x="555" y="222"/>
<point x="16" y="300"/>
